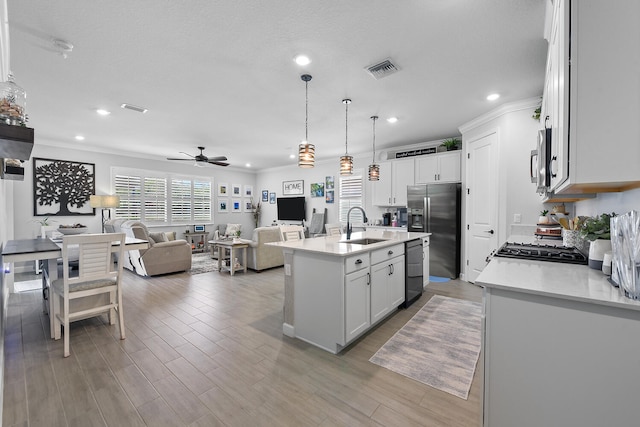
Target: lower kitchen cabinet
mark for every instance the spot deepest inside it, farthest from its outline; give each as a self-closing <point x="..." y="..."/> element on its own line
<point x="387" y="287"/>
<point x="357" y="307"/>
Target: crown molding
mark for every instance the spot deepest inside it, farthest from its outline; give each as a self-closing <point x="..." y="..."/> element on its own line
<point x="510" y="107"/>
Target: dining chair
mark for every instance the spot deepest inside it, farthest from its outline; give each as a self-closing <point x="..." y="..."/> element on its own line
<point x="97" y="287"/>
<point x="291" y="232"/>
<point x="333" y="229"/>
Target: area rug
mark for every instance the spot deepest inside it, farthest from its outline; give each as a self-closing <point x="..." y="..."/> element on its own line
<point x="439" y="346"/>
<point x="203" y="263"/>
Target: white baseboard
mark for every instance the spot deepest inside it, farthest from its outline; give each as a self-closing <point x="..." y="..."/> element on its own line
<point x="288" y="330"/>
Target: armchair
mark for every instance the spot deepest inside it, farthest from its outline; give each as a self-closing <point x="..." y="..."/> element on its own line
<point x="261" y="256"/>
<point x="163" y="256"/>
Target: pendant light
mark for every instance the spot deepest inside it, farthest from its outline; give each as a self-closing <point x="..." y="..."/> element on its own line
<point x="374" y="169"/>
<point x="306" y="151"/>
<point x="346" y="161"/>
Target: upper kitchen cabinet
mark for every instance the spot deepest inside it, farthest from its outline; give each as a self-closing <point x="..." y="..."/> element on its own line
<point x="391" y="189"/>
<point x="438" y="168"/>
<point x="591" y="96"/>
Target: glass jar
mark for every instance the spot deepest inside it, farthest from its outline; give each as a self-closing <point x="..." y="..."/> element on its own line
<point x="13" y="100"/>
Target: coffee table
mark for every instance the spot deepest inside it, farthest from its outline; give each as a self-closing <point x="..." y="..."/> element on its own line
<point x="231" y="246"/>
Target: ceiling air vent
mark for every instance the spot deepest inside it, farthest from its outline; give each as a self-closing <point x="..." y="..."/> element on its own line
<point x="134" y="108"/>
<point x="382" y="69"/>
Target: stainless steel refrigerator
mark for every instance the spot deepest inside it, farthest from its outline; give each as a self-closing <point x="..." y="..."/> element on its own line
<point x="435" y="209"/>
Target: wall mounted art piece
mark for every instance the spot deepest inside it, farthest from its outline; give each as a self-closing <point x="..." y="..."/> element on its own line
<point x="330" y="183"/>
<point x="248" y="191"/>
<point x="292" y="187"/>
<point x="62" y="188"/>
<point x="223" y="205"/>
<point x="317" y="189"/>
<point x="236" y="190"/>
<point x="223" y="190"/>
<point x="329" y="196"/>
<point x="236" y="205"/>
<point x="265" y="195"/>
<point x="247" y="205"/>
<point x="272" y="198"/>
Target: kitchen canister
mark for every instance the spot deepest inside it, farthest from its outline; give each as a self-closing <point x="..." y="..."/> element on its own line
<point x="571" y="239"/>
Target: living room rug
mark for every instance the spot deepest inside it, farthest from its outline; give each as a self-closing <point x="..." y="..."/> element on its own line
<point x="203" y="263"/>
<point x="439" y="346"/>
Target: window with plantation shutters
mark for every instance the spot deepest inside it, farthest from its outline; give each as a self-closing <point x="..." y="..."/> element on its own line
<point x="351" y="194"/>
<point x="157" y="198"/>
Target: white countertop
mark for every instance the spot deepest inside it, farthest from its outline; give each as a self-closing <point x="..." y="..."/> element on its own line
<point x="553" y="279"/>
<point x="338" y="245"/>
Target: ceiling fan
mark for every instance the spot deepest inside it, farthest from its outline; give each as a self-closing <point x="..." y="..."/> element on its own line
<point x="201" y="158"/>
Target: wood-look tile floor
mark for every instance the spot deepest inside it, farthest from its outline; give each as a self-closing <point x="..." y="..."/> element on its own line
<point x="208" y="350"/>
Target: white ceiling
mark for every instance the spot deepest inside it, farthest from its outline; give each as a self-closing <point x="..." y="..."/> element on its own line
<point x="221" y="73"/>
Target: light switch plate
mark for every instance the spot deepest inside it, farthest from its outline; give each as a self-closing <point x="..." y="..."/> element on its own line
<point x="517" y="218"/>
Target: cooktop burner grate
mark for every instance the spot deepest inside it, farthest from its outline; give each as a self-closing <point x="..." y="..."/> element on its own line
<point x="542" y="253"/>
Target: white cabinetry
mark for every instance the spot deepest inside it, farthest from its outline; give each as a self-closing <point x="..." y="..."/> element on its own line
<point x="436" y="168"/>
<point x="357" y="307"/>
<point x="591" y="96"/>
<point x="387" y="281"/>
<point x="391" y="189"/>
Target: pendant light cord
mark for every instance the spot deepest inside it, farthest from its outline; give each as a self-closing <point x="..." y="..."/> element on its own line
<point x="306" y="111"/>
<point x="346" y="127"/>
<point x="374" y="118"/>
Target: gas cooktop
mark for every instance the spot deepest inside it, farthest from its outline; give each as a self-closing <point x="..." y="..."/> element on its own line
<point x="541" y="253"/>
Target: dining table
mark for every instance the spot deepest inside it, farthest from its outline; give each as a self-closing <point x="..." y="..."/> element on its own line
<point x="48" y="251"/>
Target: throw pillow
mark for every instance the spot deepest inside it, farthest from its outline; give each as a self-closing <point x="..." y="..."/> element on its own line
<point x="158" y="237"/>
<point x="232" y="229"/>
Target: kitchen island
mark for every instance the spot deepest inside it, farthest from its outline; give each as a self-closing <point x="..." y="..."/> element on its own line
<point x="561" y="346"/>
<point x="337" y="290"/>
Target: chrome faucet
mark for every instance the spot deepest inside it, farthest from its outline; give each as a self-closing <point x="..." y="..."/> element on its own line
<point x="349" y="228"/>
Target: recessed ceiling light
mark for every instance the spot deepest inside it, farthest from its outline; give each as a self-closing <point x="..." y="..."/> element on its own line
<point x="79" y="138"/>
<point x="103" y="112"/>
<point x="493" y="96"/>
<point x="248" y="165"/>
<point x="292" y="156"/>
<point x="392" y="119"/>
<point x="302" y="60"/>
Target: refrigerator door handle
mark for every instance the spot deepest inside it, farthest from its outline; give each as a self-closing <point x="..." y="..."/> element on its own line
<point x="427" y="202"/>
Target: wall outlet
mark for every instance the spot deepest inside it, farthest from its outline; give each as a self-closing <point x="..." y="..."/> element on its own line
<point x="517" y="218"/>
<point x="287" y="269"/>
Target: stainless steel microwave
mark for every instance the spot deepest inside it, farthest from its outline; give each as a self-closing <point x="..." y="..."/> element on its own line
<point x="540" y="160"/>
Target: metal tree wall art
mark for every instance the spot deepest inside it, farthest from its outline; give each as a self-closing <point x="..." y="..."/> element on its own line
<point x="62" y="188"/>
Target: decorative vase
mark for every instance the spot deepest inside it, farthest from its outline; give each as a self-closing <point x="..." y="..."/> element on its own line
<point x="597" y="250"/>
<point x="571" y="239"/>
<point x="543" y="220"/>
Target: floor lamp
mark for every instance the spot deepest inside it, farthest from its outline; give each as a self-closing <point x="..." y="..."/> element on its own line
<point x="105" y="203"/>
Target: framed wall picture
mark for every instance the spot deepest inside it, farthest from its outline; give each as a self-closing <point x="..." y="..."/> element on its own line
<point x="223" y="189"/>
<point x="223" y="205"/>
<point x="62" y="188"/>
<point x="272" y="198"/>
<point x="329" y="196"/>
<point x="317" y="189"/>
<point x="247" y="205"/>
<point x="330" y="183"/>
<point x="293" y="187"/>
<point x="248" y="191"/>
<point x="236" y="205"/>
<point x="265" y="195"/>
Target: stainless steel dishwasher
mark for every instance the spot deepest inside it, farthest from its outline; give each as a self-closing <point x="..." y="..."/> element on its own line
<point x="413" y="283"/>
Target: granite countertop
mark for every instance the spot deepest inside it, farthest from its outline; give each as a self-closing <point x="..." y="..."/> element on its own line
<point x="553" y="279"/>
<point x="338" y="245"/>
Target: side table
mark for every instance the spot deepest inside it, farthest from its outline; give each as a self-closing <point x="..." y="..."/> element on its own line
<point x="231" y="246"/>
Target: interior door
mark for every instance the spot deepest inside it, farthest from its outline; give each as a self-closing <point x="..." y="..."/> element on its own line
<point x="482" y="203"/>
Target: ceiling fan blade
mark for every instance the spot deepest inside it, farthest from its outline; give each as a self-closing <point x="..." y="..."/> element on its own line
<point x="218" y="163"/>
<point x="171" y="158"/>
<point x="187" y="154"/>
<point x="217" y="159"/>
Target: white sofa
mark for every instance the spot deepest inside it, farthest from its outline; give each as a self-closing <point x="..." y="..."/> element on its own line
<point x="261" y="256"/>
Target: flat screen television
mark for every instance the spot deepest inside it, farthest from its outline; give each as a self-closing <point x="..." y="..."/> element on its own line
<point x="291" y="209"/>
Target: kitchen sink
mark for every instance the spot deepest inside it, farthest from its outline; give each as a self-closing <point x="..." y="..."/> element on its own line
<point x="366" y="241"/>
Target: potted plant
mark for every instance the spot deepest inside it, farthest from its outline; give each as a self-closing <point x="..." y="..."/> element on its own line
<point x="543" y="219"/>
<point x="450" y="144"/>
<point x="597" y="230"/>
